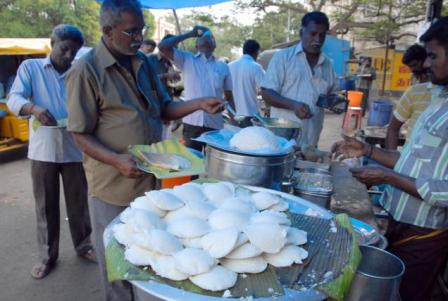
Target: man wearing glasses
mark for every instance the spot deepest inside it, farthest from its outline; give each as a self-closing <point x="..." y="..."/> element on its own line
<point x="115" y="99"/>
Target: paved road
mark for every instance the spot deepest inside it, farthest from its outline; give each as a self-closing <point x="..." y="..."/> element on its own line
<point x="73" y="278"/>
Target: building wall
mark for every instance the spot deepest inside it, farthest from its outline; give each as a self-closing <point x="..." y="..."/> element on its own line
<point x="163" y="28"/>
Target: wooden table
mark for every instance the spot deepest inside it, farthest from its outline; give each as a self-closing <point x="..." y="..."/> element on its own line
<point x="350" y="196"/>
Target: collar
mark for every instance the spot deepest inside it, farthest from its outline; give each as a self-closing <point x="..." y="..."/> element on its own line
<point x="203" y="57"/>
<point x="49" y="64"/>
<point x="299" y="49"/>
<point x="248" y="57"/>
<point x="106" y="59"/>
<point x="103" y="55"/>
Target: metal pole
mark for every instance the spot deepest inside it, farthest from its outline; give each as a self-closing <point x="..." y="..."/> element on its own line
<point x="178" y="26"/>
<point x="387" y="49"/>
<point x="288" y="27"/>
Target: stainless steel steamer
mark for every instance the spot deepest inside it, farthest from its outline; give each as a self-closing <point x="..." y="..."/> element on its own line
<point x="256" y="170"/>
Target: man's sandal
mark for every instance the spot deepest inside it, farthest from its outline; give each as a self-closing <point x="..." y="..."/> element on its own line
<point x="90" y="255"/>
<point x="41" y="270"/>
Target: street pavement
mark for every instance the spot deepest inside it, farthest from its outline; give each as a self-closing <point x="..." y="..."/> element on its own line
<point x="73" y="278"/>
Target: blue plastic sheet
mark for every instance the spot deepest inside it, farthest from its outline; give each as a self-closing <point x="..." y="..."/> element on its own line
<point x="176" y="4"/>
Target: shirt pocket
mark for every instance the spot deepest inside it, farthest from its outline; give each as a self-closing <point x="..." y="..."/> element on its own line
<point x="427" y="142"/>
<point x="218" y="80"/>
<point x="292" y="76"/>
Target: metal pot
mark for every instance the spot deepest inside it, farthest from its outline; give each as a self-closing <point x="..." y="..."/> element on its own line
<point x="318" y="191"/>
<point x="263" y="171"/>
<point x="281" y="127"/>
<point x="378" y="276"/>
<point x="322" y="200"/>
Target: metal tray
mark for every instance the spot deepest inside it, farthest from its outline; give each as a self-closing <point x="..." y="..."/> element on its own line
<point x="296" y="205"/>
<point x="314" y="183"/>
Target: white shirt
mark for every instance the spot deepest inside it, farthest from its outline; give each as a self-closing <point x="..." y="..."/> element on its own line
<point x="38" y="82"/>
<point x="246" y="79"/>
<point x="203" y="77"/>
<point x="290" y="75"/>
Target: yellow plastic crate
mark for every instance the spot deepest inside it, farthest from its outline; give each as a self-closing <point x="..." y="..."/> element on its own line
<point x="13" y="127"/>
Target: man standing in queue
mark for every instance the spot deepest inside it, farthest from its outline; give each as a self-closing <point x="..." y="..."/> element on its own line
<point x="38" y="91"/>
<point x="297" y="75"/>
<point x="115" y="99"/>
<point x="203" y="76"/>
<point x="416" y="196"/>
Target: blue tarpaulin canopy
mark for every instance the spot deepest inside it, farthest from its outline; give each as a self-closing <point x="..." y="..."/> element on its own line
<point x="176" y="4"/>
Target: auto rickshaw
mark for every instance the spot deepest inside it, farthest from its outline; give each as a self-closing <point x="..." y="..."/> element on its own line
<point x="14" y="131"/>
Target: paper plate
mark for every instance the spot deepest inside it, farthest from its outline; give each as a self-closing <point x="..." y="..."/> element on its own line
<point x="171" y="146"/>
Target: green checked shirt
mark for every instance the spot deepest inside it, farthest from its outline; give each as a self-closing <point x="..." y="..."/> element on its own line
<point x="425" y="158"/>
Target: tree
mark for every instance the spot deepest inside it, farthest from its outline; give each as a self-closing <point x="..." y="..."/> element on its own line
<point x="150" y="22"/>
<point x="272" y="28"/>
<point x="37" y="18"/>
<point x="229" y="34"/>
<point x="376" y="19"/>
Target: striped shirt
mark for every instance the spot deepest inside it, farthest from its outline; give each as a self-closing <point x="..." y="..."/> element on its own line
<point x="413" y="102"/>
<point x="425" y="158"/>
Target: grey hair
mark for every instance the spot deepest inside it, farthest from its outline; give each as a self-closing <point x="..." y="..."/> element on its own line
<point x="64" y="32"/>
<point x="111" y="10"/>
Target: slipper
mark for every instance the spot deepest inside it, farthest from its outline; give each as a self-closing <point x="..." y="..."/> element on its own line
<point x="41" y="270"/>
<point x="90" y="255"/>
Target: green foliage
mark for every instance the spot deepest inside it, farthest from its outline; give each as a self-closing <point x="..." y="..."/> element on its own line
<point x="36" y="18"/>
<point x="229" y="34"/>
<point x="271" y="28"/>
<point x="150" y="22"/>
<point x="377" y="20"/>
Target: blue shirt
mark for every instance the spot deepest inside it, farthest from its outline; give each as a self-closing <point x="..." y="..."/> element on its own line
<point x="38" y="82"/>
<point x="203" y="77"/>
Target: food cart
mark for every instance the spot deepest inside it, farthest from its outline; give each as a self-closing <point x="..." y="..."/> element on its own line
<point x="332" y="248"/>
<point x="14" y="132"/>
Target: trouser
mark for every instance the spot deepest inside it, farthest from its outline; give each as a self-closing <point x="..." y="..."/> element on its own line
<point x="191" y="131"/>
<point x="424" y="253"/>
<point x="45" y="180"/>
<point x="102" y="214"/>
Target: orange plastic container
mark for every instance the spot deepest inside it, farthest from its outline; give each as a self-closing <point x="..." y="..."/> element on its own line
<point x="354" y="98"/>
<point x="171" y="182"/>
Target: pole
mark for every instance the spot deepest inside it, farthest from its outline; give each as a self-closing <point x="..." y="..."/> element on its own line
<point x="178" y="26"/>
<point x="387" y="50"/>
<point x="288" y="26"/>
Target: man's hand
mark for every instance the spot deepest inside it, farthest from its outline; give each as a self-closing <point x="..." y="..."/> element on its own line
<point x="302" y="110"/>
<point x="371" y="175"/>
<point x="212" y="105"/>
<point x="198" y="30"/>
<point x="173" y="76"/>
<point x="44" y="116"/>
<point x="349" y="148"/>
<point x="127" y="166"/>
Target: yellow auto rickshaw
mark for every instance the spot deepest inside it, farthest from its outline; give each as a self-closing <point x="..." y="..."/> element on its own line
<point x="14" y="131"/>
